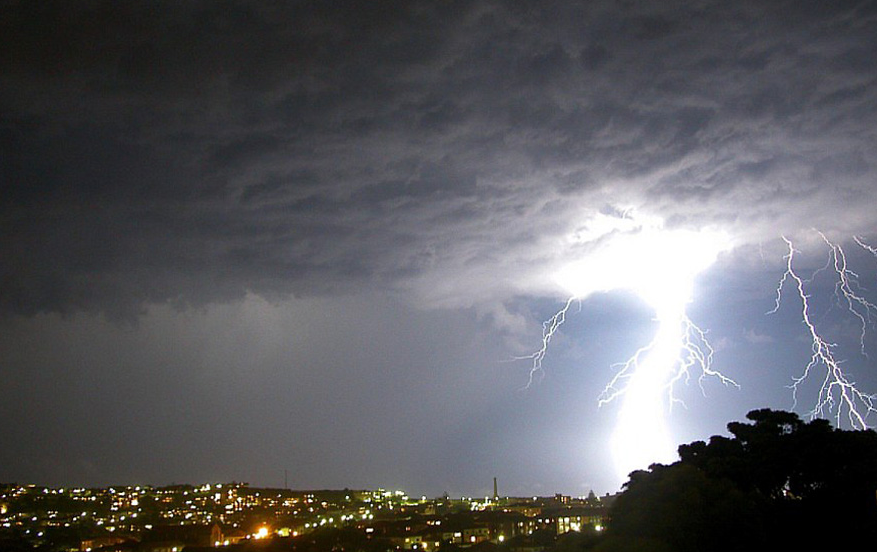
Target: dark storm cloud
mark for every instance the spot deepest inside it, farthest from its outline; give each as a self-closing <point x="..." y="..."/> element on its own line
<point x="189" y="153"/>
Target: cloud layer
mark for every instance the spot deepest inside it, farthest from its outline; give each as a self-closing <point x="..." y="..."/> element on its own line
<point x="188" y="154"/>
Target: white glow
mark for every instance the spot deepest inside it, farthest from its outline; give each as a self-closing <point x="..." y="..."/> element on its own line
<point x="641" y="437"/>
<point x="660" y="266"/>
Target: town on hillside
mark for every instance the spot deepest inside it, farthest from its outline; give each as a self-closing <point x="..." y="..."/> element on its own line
<point x="236" y="515"/>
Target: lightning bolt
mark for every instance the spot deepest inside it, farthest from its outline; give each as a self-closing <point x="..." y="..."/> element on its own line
<point x="837" y="393"/>
<point x="659" y="266"/>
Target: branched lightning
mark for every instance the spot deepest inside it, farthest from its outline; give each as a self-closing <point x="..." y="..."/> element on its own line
<point x="549" y="328"/>
<point x="700" y="354"/>
<point x="660" y="266"/>
<point x="694" y="351"/>
<point x="645" y="383"/>
<point x="848" y="290"/>
<point x="837" y="392"/>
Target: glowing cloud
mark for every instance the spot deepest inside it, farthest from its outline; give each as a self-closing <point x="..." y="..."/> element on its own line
<point x="659" y="265"/>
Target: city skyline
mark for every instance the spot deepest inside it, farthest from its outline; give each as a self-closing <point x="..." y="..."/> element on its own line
<point x="322" y="243"/>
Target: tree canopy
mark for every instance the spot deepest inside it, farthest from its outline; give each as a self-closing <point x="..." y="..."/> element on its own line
<point x="776" y="483"/>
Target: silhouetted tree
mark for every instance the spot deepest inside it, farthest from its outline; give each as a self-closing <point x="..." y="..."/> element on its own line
<point x="778" y="483"/>
<point x="683" y="508"/>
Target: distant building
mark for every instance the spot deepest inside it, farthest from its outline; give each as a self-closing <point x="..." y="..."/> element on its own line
<point x="578" y="518"/>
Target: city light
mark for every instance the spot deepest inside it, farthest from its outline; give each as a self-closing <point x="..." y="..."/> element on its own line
<point x="490" y="521"/>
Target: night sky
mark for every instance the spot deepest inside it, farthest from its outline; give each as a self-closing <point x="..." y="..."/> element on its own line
<point x="239" y="238"/>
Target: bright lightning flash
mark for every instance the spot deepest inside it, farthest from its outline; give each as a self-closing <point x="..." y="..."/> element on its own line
<point x="837" y="394"/>
<point x="660" y="266"/>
